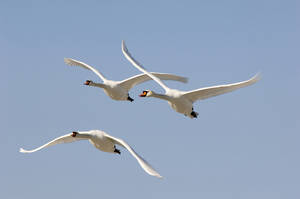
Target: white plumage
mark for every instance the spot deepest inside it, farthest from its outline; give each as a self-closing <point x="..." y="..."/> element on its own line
<point x="182" y="101"/>
<point x="101" y="141"/>
<point x="118" y="90"/>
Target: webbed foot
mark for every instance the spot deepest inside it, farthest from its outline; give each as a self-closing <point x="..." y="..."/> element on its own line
<point x="117" y="151"/>
<point x="194" y="114"/>
<point x="130" y="99"/>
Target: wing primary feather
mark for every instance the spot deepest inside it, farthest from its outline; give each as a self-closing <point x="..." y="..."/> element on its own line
<point x="207" y="92"/>
<point x="138" y="79"/>
<point x="73" y="62"/>
<point x="143" y="163"/>
<point x="62" y="139"/>
<point x="140" y="67"/>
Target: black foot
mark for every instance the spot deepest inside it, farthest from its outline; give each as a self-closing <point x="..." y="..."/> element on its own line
<point x="117" y="151"/>
<point x="130" y="99"/>
<point x="194" y="114"/>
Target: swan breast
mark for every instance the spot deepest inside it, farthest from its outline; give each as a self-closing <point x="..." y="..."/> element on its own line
<point x="181" y="105"/>
<point x="101" y="142"/>
<point x="115" y="91"/>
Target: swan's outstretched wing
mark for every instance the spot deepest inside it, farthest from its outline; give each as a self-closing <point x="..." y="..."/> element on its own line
<point x="144" y="164"/>
<point x="140" y="67"/>
<point x="73" y="62"/>
<point x="138" y="79"/>
<point x="208" y="92"/>
<point x="63" y="139"/>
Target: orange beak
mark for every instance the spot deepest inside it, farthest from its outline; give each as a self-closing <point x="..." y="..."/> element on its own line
<point x="87" y="82"/>
<point x="143" y="94"/>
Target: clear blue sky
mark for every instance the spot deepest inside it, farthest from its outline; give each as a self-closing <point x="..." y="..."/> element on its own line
<point x="244" y="144"/>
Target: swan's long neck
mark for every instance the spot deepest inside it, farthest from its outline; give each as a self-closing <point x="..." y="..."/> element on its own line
<point x="161" y="96"/>
<point x="84" y="135"/>
<point x="100" y="85"/>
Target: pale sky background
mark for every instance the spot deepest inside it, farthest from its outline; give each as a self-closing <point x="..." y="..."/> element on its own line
<point x="244" y="144"/>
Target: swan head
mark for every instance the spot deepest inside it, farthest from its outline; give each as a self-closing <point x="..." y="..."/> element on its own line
<point x="146" y="93"/>
<point x="88" y="82"/>
<point x="74" y="133"/>
<point x="81" y="134"/>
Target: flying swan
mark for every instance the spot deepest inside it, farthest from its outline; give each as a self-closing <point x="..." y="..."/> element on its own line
<point x="101" y="141"/>
<point x="182" y="101"/>
<point x="118" y="90"/>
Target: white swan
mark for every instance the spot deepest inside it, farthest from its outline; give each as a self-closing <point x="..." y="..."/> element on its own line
<point x="182" y="101"/>
<point x="101" y="141"/>
<point x="118" y="90"/>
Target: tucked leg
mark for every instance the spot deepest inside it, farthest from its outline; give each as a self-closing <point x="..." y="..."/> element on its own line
<point x="130" y="99"/>
<point x="194" y="114"/>
<point x="117" y="151"/>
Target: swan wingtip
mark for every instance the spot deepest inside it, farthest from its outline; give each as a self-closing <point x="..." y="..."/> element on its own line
<point x="124" y="48"/>
<point x="159" y="176"/>
<point x="257" y="76"/>
<point x="185" y="80"/>
<point x="67" y="60"/>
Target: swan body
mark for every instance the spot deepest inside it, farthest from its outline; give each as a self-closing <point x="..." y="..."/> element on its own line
<point x="112" y="89"/>
<point x="182" y="101"/>
<point x="175" y="99"/>
<point x="118" y="90"/>
<point x="101" y="141"/>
